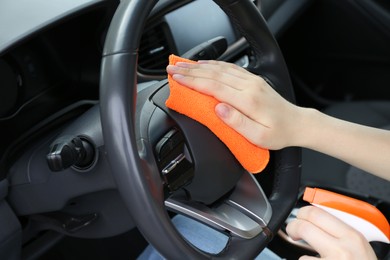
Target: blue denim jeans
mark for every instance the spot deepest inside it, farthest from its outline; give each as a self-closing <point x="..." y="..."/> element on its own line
<point x="203" y="237"/>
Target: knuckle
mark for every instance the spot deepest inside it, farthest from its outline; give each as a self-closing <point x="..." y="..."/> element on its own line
<point x="356" y="237"/>
<point x="261" y="139"/>
<point x="263" y="85"/>
<point x="251" y="101"/>
<point x="309" y="213"/>
<point x="302" y="227"/>
<point x="236" y="120"/>
<point x="297" y="228"/>
<point x="214" y="74"/>
<point x="343" y="254"/>
<point x="210" y="74"/>
<point x="215" y="85"/>
<point x="185" y="71"/>
<point x="225" y="64"/>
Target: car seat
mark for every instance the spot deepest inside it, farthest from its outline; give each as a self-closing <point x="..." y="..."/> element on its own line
<point x="322" y="170"/>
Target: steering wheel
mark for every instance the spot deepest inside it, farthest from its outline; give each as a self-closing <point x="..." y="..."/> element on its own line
<point x="163" y="160"/>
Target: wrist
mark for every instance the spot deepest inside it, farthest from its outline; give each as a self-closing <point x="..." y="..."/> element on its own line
<point x="305" y="124"/>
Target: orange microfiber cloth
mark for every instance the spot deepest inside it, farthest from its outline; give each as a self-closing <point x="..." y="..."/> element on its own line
<point x="201" y="108"/>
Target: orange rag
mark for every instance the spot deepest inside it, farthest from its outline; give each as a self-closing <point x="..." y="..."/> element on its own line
<point x="201" y="108"/>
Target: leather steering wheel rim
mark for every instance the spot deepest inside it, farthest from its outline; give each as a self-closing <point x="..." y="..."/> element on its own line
<point x="136" y="179"/>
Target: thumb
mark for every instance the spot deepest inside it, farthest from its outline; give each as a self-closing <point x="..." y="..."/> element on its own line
<point x="223" y="111"/>
<point x="251" y="130"/>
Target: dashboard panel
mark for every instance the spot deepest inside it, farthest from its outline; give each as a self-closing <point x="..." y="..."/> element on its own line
<point x="180" y="30"/>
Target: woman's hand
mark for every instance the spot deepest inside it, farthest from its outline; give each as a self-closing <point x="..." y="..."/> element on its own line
<point x="255" y="110"/>
<point x="248" y="104"/>
<point x="329" y="236"/>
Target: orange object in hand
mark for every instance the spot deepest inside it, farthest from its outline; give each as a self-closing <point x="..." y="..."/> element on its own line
<point x="201" y="108"/>
<point x="361" y="215"/>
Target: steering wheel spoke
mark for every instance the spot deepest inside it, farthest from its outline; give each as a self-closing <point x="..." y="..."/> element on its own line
<point x="244" y="213"/>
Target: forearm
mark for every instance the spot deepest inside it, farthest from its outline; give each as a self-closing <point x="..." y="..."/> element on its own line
<point x="361" y="146"/>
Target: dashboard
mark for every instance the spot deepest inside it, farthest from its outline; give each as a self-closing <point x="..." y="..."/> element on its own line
<point x="50" y="54"/>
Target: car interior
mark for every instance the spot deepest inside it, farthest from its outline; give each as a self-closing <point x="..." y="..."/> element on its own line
<point x="87" y="143"/>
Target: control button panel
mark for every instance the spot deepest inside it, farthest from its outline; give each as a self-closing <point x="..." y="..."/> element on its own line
<point x="175" y="166"/>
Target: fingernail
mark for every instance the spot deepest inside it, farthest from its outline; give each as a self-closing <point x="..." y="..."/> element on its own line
<point x="183" y="64"/>
<point x="172" y="68"/>
<point x="222" y="110"/>
<point x="177" y="76"/>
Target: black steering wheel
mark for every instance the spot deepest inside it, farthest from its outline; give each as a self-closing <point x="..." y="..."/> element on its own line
<point x="162" y="160"/>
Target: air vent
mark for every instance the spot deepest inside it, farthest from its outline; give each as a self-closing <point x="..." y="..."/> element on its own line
<point x="154" y="49"/>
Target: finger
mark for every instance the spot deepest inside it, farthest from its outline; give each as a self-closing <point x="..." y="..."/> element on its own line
<point x="317" y="238"/>
<point x="325" y="221"/>
<point x="306" y="257"/>
<point x="225" y="74"/>
<point x="227" y="64"/>
<point x="253" y="131"/>
<point x="221" y="66"/>
<point x="209" y="87"/>
<point x="209" y="79"/>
